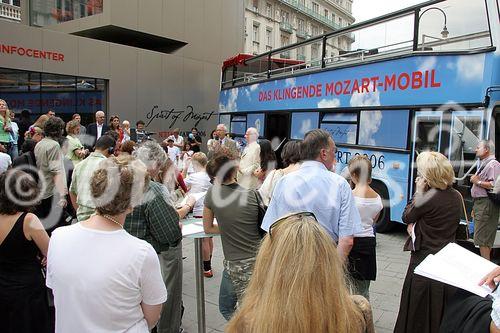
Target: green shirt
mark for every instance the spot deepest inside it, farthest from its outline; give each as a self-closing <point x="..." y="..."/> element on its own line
<point x="4" y="136"/>
<point x="73" y="144"/>
<point x="49" y="160"/>
<point x="80" y="184"/>
<point x="156" y="220"/>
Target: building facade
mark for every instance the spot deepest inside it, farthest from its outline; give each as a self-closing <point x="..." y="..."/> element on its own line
<point x="10" y="10"/>
<point x="271" y="24"/>
<point x="142" y="60"/>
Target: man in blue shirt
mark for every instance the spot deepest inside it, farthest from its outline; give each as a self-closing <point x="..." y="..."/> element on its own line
<point x="315" y="188"/>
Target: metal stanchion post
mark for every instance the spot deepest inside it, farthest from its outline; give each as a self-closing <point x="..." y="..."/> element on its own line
<point x="200" y="287"/>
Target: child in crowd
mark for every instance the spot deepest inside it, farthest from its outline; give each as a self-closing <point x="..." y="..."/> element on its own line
<point x="185" y="160"/>
<point x="198" y="182"/>
<point x="362" y="258"/>
<point x="173" y="152"/>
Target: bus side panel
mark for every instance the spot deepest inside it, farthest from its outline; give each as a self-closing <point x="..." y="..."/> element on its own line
<point x="390" y="168"/>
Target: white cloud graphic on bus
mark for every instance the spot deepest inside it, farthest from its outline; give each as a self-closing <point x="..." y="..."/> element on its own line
<point x="290" y="82"/>
<point x="470" y="68"/>
<point x="365" y="99"/>
<point x="329" y="103"/>
<point x="231" y="105"/>
<point x="305" y="127"/>
<point x="371" y="125"/>
<point x="428" y="64"/>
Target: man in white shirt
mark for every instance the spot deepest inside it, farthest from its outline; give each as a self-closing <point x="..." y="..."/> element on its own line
<point x="178" y="140"/>
<point x="173" y="152"/>
<point x="315" y="188"/>
<point x="250" y="161"/>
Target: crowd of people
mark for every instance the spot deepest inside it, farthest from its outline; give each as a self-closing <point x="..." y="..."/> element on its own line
<point x="94" y="214"/>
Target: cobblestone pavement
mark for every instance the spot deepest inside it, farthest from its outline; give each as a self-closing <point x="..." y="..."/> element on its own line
<point x="384" y="293"/>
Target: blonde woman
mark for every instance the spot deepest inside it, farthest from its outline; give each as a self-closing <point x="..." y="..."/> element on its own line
<point x="432" y="217"/>
<point x="75" y="150"/>
<point x="40" y="122"/>
<point x="126" y="130"/>
<point x="298" y="285"/>
<point x="5" y="128"/>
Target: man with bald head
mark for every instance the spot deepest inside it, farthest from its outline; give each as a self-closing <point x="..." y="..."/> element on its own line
<point x="250" y="161"/>
<point x="97" y="129"/>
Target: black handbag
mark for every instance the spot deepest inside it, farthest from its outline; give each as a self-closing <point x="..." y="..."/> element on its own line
<point x="261" y="212"/>
<point x="463" y="228"/>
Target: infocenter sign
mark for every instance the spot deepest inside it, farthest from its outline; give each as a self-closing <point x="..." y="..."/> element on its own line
<point x="31" y="53"/>
<point x="417" y="80"/>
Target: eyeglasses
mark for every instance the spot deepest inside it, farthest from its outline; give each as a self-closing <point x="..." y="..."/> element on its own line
<point x="284" y="218"/>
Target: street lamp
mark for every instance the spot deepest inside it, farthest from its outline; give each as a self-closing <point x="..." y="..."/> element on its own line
<point x="445" y="31"/>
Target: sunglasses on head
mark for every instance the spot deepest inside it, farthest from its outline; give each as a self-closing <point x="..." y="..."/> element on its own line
<point x="284" y="218"/>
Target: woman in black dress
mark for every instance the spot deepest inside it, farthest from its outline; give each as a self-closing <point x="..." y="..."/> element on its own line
<point x="432" y="216"/>
<point x="23" y="244"/>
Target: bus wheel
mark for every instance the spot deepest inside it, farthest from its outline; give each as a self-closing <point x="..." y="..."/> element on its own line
<point x="384" y="223"/>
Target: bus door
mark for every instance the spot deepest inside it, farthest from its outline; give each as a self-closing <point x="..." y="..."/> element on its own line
<point x="427" y="130"/>
<point x="496" y="132"/>
<point x="466" y="129"/>
<point x="277" y="130"/>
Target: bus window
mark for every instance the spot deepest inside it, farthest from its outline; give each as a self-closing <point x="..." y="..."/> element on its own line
<point x="466" y="131"/>
<point x="383" y="128"/>
<point x="256" y="120"/>
<point x="342" y="126"/>
<point x="238" y="125"/>
<point x="226" y="120"/>
<point x="303" y="122"/>
<point x="427" y="133"/>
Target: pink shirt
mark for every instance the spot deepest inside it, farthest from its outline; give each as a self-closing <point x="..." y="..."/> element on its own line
<point x="489" y="173"/>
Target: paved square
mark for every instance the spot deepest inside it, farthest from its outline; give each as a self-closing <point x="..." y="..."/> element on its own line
<point x="384" y="293"/>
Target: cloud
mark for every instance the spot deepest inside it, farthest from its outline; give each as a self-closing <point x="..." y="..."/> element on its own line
<point x="247" y="93"/>
<point x="329" y="103"/>
<point x="254" y="87"/>
<point x="290" y="82"/>
<point x="470" y="68"/>
<point x="231" y="105"/>
<point x="305" y="127"/>
<point x="365" y="99"/>
<point x="371" y="125"/>
<point x="427" y="64"/>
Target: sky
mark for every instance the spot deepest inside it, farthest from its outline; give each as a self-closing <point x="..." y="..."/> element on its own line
<point x="463" y="17"/>
<point x="366" y="9"/>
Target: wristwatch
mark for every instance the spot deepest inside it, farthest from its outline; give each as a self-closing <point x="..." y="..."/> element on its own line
<point x="479" y="183"/>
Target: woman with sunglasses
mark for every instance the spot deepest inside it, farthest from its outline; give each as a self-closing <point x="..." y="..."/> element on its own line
<point x="236" y="211"/>
<point x="298" y="285"/>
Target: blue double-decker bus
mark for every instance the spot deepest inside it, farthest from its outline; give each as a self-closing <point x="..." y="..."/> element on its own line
<point x="423" y="78"/>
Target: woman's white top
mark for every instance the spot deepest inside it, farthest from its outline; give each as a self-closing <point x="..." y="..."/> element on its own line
<point x="99" y="279"/>
<point x="368" y="209"/>
<point x="199" y="183"/>
<point x="267" y="187"/>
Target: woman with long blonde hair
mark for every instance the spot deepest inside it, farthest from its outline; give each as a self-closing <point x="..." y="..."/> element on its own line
<point x="298" y="284"/>
<point x="5" y="128"/>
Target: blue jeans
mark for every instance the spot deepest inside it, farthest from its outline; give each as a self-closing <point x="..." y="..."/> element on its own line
<point x="227" y="297"/>
<point x="13" y="151"/>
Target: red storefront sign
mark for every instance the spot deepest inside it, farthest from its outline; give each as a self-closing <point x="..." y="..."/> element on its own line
<point x="31" y="53"/>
